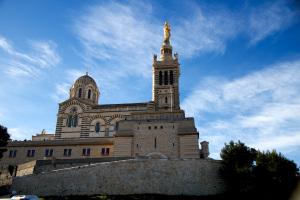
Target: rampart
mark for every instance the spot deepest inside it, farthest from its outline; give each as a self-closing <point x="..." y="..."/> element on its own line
<point x="135" y="176"/>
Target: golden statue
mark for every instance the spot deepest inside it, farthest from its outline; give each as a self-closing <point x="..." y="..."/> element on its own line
<point x="167" y="32"/>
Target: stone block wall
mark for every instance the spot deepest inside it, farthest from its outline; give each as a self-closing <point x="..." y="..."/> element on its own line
<point x="5" y="176"/>
<point x="136" y="176"/>
<point x="26" y="168"/>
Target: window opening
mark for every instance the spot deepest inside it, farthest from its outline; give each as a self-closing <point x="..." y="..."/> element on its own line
<point x="171" y="77"/>
<point x="79" y="92"/>
<point x="160" y="78"/>
<point x="166" y="78"/>
<point x="97" y="127"/>
<point x="89" y="94"/>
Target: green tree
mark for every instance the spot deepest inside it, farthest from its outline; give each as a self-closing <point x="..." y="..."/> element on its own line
<point x="238" y="163"/>
<point x="4" y="137"/>
<point x="267" y="175"/>
<point x="274" y="172"/>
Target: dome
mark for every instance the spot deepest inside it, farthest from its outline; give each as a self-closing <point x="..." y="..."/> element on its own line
<point x="85" y="87"/>
<point x="85" y="80"/>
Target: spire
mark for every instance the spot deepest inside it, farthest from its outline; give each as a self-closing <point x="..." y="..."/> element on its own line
<point x="166" y="49"/>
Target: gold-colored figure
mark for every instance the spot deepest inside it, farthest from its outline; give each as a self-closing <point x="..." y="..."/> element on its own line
<point x="167" y="32"/>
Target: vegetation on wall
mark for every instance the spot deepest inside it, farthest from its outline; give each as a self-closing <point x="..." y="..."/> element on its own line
<point x="4" y="137"/>
<point x="264" y="173"/>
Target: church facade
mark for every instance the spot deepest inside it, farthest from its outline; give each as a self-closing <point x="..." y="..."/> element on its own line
<point x="87" y="129"/>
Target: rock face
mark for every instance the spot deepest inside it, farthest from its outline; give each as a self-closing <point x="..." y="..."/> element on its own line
<point x="136" y="176"/>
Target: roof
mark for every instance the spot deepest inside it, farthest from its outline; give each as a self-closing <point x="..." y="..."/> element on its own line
<point x="121" y="105"/>
<point x="86" y="79"/>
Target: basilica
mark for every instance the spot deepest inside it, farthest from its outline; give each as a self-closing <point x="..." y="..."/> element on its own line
<point x="87" y="129"/>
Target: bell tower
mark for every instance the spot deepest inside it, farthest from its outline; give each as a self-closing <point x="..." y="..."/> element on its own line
<point x="165" y="74"/>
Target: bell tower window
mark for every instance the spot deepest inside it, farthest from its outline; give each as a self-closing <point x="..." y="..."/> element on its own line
<point x="166" y="78"/>
<point x="166" y="99"/>
<point x="160" y="78"/>
<point x="171" y="77"/>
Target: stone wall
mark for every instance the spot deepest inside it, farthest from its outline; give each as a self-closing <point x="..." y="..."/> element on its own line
<point x="151" y="176"/>
<point x="26" y="168"/>
<point x="50" y="165"/>
<point x="5" y="176"/>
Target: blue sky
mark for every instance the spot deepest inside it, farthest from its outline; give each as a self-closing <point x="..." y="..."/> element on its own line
<point x="240" y="63"/>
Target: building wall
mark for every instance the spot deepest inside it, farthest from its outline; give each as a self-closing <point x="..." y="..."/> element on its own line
<point x="123" y="146"/>
<point x="58" y="153"/>
<point x="89" y="115"/>
<point x="170" y="177"/>
<point x="156" y="137"/>
<point x="189" y="146"/>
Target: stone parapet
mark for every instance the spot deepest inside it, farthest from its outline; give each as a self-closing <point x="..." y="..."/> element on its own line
<point x="136" y="176"/>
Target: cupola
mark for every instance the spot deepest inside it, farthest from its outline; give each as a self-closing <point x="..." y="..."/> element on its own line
<point x="85" y="88"/>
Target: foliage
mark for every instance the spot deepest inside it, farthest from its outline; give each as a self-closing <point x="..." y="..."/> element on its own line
<point x="238" y="162"/>
<point x="263" y="172"/>
<point x="4" y="137"/>
<point x="274" y="171"/>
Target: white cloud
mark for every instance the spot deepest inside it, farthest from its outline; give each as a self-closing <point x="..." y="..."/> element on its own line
<point x="284" y="142"/>
<point x="119" y="39"/>
<point x="4" y="44"/>
<point x="119" y="34"/>
<point x="269" y="18"/>
<point x="261" y="109"/>
<point x="61" y="92"/>
<point x="129" y="34"/>
<point x="205" y="31"/>
<point x="18" y="64"/>
<point x="209" y="28"/>
<point x="19" y="133"/>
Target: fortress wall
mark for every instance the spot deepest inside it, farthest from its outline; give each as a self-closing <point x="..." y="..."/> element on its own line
<point x="151" y="176"/>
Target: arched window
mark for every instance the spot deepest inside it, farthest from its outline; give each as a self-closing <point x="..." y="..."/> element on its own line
<point x="166" y="99"/>
<point x="75" y="120"/>
<point x="171" y="77"/>
<point x="155" y="142"/>
<point x="97" y="127"/>
<point x="79" y="92"/>
<point x="72" y="120"/>
<point x="166" y="78"/>
<point x="117" y="125"/>
<point x="160" y="78"/>
<point x="69" y="121"/>
<point x="89" y="94"/>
